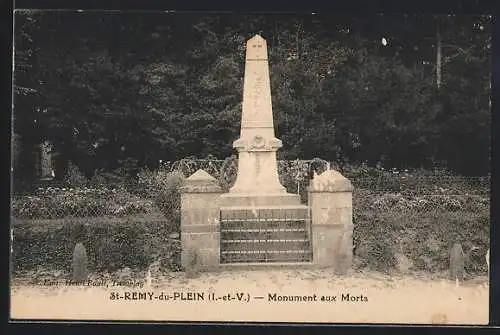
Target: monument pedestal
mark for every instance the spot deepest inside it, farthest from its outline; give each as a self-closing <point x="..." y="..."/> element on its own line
<point x="259" y="199"/>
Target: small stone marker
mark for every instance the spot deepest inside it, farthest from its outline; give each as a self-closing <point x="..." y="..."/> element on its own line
<point x="457" y="262"/>
<point x="79" y="263"/>
<point x="191" y="259"/>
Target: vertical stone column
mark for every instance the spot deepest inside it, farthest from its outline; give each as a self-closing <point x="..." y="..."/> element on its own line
<point x="200" y="211"/>
<point x="330" y="200"/>
<point x="257" y="181"/>
<point x="257" y="145"/>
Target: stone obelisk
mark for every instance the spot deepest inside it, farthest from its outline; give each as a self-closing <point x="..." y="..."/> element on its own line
<point x="257" y="182"/>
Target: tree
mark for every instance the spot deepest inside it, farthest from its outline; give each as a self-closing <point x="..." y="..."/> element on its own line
<point x="120" y="83"/>
<point x="26" y="98"/>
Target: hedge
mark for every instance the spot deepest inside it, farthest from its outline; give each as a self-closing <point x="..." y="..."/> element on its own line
<point x="112" y="243"/>
<point x="416" y="218"/>
<point x="425" y="238"/>
<point x="136" y="242"/>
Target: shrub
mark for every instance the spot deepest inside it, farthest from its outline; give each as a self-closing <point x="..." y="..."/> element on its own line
<point x="98" y="179"/>
<point x="52" y="203"/>
<point x="296" y="174"/>
<point x="113" y="179"/>
<point x="409" y="202"/>
<point x="74" y="177"/>
<point x="164" y="189"/>
<point x="111" y="243"/>
<point x="168" y="198"/>
<point x="425" y="237"/>
<point x="228" y="173"/>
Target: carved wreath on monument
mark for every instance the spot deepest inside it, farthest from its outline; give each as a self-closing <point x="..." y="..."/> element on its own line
<point x="258" y="142"/>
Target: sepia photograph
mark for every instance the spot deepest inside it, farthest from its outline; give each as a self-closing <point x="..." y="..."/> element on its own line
<point x="250" y="167"/>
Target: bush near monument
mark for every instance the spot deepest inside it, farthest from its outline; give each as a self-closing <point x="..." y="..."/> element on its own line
<point x="111" y="243"/>
<point x="154" y="191"/>
<point x="114" y="243"/>
<point x="426" y="239"/>
<point x="55" y="203"/>
<point x="422" y="212"/>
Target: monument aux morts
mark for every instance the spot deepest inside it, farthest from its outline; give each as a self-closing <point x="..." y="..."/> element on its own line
<point x="258" y="221"/>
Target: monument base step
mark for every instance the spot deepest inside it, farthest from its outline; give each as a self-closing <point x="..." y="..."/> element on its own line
<point x="267" y="256"/>
<point x="251" y="235"/>
<point x="277" y="213"/>
<point x="256" y="199"/>
<point x="260" y="266"/>
<point x="263" y="245"/>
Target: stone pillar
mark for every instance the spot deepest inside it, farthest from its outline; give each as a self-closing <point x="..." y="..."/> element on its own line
<point x="200" y="211"/>
<point x="330" y="200"/>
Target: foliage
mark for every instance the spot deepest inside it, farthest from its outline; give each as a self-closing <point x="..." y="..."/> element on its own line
<point x="163" y="188"/>
<point x="423" y="227"/>
<point x="338" y="93"/>
<point x="296" y="174"/>
<point x="75" y="177"/>
<point x="418" y="214"/>
<point x="111" y="244"/>
<point x="424" y="237"/>
<point x="384" y="225"/>
<point x="54" y="203"/>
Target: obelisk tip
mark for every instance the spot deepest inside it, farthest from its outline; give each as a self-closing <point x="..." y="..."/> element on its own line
<point x="256" y="39"/>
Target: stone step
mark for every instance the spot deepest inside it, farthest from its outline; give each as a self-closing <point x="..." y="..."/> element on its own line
<point x="266" y="256"/>
<point x="263" y="245"/>
<point x="262" y="225"/>
<point x="263" y="220"/>
<point x="269" y="213"/>
<point x="259" y="230"/>
<point x="257" y="234"/>
<point x="307" y="264"/>
<point x="262" y="252"/>
<point x="251" y="199"/>
<point x="267" y="241"/>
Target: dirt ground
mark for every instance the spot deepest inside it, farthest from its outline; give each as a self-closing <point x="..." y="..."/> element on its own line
<point x="249" y="296"/>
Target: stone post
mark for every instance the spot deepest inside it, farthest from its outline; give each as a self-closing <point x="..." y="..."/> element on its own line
<point x="330" y="200"/>
<point x="200" y="211"/>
